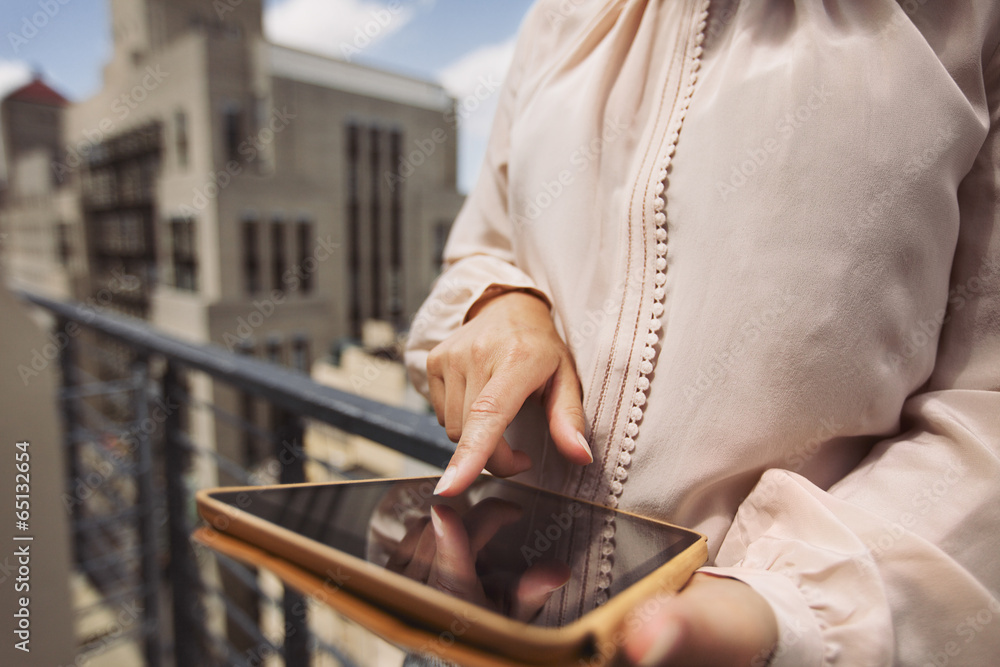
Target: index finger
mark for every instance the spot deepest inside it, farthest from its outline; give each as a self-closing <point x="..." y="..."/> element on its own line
<point x="482" y="435"/>
<point x="454" y="566"/>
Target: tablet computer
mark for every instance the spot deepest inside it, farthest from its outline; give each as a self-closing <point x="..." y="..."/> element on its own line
<point x="502" y="574"/>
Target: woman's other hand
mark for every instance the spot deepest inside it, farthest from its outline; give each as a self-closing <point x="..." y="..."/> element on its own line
<point x="481" y="376"/>
<point x="713" y="621"/>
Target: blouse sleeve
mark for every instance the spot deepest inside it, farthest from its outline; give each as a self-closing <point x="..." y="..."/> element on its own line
<point x="896" y="564"/>
<point x="479" y="254"/>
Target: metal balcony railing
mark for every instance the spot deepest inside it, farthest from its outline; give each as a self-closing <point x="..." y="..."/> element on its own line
<point x="147" y="420"/>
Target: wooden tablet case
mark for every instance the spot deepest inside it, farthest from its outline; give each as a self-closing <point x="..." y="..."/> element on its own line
<point x="481" y="644"/>
<point x="366" y="614"/>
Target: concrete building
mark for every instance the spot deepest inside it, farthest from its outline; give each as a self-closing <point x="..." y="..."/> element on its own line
<point x="35" y="208"/>
<point x="230" y="190"/>
<point x="216" y="167"/>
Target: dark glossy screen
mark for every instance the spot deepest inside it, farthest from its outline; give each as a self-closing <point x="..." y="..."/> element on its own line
<point x="526" y="553"/>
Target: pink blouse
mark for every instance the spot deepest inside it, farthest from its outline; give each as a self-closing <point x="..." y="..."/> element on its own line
<point x="769" y="234"/>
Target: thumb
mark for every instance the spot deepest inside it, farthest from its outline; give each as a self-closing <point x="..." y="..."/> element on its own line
<point x="564" y="409"/>
<point x="536" y="586"/>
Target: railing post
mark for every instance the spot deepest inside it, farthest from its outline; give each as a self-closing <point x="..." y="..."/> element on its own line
<point x="144" y="426"/>
<point x="290" y="456"/>
<point x="185" y="578"/>
<point x="71" y="419"/>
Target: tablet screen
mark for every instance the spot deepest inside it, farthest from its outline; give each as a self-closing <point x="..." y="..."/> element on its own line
<point x="527" y="553"/>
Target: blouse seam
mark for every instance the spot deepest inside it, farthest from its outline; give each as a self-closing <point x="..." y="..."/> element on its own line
<point x="606" y="385"/>
<point x="599" y="410"/>
<point x="654" y="326"/>
<point x="635" y="187"/>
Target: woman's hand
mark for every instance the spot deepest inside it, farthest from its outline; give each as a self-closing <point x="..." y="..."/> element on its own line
<point x="713" y="621"/>
<point x="481" y="376"/>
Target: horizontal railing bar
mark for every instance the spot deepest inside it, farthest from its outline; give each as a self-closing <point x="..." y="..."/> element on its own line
<point x="233" y="657"/>
<point x="86" y="436"/>
<point x="241" y="617"/>
<point x="332" y="469"/>
<point x="81" y="375"/>
<point x="91" y="439"/>
<point x="235" y="421"/>
<point x="236" y="470"/>
<point x="416" y="435"/>
<point x="107" y="560"/>
<point x="101" y="421"/>
<point x="114" y="501"/>
<point x="97" y="389"/>
<point x="341" y="657"/>
<point x="92" y="522"/>
<point x="244" y="574"/>
<point x="101" y="575"/>
<point x="118" y="501"/>
<point x="246" y="577"/>
<point x="107" y="640"/>
<point x="101" y="355"/>
<point x="135" y="591"/>
<point x="226" y="465"/>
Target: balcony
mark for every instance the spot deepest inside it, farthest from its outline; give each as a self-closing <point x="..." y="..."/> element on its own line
<point x="141" y="435"/>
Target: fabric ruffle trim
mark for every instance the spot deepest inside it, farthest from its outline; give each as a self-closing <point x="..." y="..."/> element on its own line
<point x="655" y="324"/>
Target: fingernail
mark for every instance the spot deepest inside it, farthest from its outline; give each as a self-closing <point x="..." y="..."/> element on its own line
<point x="555" y="588"/>
<point x="446" y="479"/>
<point x="661" y="648"/>
<point x="436" y="521"/>
<point x="586" y="447"/>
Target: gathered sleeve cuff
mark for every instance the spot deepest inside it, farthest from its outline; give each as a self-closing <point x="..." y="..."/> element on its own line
<point x="462" y="286"/>
<point x="800" y="633"/>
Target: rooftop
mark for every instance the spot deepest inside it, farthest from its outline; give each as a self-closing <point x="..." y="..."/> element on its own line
<point x="38" y="92"/>
<point x="320" y="70"/>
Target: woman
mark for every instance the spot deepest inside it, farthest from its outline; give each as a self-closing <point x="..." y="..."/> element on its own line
<point x="747" y="255"/>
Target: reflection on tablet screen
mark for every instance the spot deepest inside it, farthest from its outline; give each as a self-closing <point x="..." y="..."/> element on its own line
<point x="523" y="552"/>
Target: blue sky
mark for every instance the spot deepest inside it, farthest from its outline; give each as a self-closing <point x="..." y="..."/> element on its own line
<point x="451" y="41"/>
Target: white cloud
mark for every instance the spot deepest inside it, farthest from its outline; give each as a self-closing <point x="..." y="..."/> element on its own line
<point x="13" y="75"/>
<point x="341" y="28"/>
<point x="473" y="80"/>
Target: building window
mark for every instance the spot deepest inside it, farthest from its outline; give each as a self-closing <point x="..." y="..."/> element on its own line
<point x="278" y="265"/>
<point x="272" y="348"/>
<point x="375" y="222"/>
<point x="63" y="250"/>
<point x="306" y="268"/>
<point x="182" y="238"/>
<point x="396" y="230"/>
<point x="300" y="353"/>
<point x="441" y="230"/>
<point x="251" y="256"/>
<point x="262" y="113"/>
<point x="119" y="223"/>
<point x="181" y="130"/>
<point x="354" y="228"/>
<point x="232" y="131"/>
<point x="248" y="412"/>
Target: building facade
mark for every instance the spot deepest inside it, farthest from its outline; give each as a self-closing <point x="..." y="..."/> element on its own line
<point x="230" y="190"/>
<point x="214" y="169"/>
